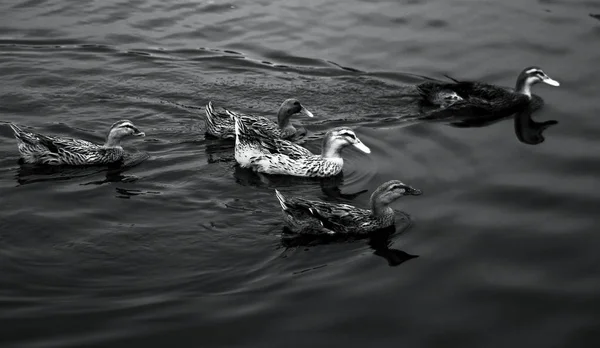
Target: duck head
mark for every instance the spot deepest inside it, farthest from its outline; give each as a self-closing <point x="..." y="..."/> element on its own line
<point x="289" y="108"/>
<point x="387" y="193"/>
<point x="120" y="130"/>
<point x="529" y="77"/>
<point x="338" y="138"/>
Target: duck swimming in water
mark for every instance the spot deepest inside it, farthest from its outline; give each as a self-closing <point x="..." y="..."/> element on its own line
<point x="477" y="98"/>
<point x="316" y="217"/>
<point x="220" y="124"/>
<point x="268" y="155"/>
<point x="37" y="148"/>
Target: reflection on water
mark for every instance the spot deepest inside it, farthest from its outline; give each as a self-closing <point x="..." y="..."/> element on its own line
<point x="31" y="173"/>
<point x="529" y="131"/>
<point x="187" y="245"/>
<point x="381" y="245"/>
<point x="379" y="241"/>
<point x="217" y="150"/>
<point x="330" y="186"/>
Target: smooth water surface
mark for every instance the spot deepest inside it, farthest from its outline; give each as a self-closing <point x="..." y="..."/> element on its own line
<point x="185" y="249"/>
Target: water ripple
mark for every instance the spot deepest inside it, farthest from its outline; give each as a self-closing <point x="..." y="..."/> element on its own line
<point x="185" y="242"/>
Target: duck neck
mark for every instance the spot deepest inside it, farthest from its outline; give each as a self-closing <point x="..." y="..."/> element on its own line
<point x="283" y="119"/>
<point x="380" y="210"/>
<point x="112" y="141"/>
<point x="523" y="86"/>
<point x="330" y="150"/>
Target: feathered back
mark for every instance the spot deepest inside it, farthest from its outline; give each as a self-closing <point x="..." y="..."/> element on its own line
<point x="281" y="200"/>
<point x="23" y="136"/>
<point x="240" y="128"/>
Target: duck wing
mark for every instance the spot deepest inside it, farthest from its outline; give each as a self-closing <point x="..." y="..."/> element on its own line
<point x="427" y="89"/>
<point x="276" y="145"/>
<point x="52" y="143"/>
<point x="496" y="100"/>
<point x="258" y="125"/>
<point x="466" y="89"/>
<point x="59" y="144"/>
<point x="253" y="133"/>
<point x="220" y="123"/>
<point x="478" y="92"/>
<point x="263" y="126"/>
<point x="334" y="216"/>
<point x="284" y="147"/>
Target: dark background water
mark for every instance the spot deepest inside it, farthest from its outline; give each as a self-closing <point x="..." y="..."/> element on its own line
<point x="185" y="250"/>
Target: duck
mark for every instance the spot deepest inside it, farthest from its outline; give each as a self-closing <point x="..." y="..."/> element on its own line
<point x="482" y="98"/>
<point x="35" y="148"/>
<point x="220" y="125"/>
<point x="264" y="154"/>
<point x="303" y="216"/>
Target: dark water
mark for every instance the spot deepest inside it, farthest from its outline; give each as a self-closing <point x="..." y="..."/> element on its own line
<point x="185" y="249"/>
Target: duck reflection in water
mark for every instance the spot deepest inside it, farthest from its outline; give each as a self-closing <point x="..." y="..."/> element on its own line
<point x="218" y="150"/>
<point x="380" y="241"/>
<point x="31" y="173"/>
<point x="330" y="186"/>
<point x="529" y="131"/>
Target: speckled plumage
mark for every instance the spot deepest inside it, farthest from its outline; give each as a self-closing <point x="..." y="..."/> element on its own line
<point x="264" y="154"/>
<point x="35" y="148"/>
<point x="317" y="217"/>
<point x="221" y="125"/>
<point x="478" y="98"/>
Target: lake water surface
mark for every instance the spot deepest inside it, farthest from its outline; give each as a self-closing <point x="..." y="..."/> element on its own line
<point x="185" y="249"/>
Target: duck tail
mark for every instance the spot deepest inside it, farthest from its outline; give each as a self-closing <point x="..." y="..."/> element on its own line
<point x="16" y="129"/>
<point x="424" y="90"/>
<point x="210" y="115"/>
<point x="240" y="127"/>
<point x="281" y="200"/>
<point x="23" y="136"/>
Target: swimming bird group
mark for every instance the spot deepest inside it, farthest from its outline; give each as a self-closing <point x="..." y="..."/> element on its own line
<point x="269" y="147"/>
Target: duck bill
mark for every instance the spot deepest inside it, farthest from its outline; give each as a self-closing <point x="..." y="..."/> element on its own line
<point x="305" y="112"/>
<point x="362" y="147"/>
<point x="547" y="80"/>
<point x="413" y="191"/>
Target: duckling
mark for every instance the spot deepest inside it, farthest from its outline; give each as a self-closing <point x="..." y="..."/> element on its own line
<point x="483" y="98"/>
<point x="315" y="217"/>
<point x="37" y="148"/>
<point x="220" y="125"/>
<point x="445" y="98"/>
<point x="277" y="156"/>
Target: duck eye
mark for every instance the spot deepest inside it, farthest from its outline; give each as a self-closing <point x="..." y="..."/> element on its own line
<point x="297" y="103"/>
<point x="350" y="135"/>
<point x="398" y="188"/>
